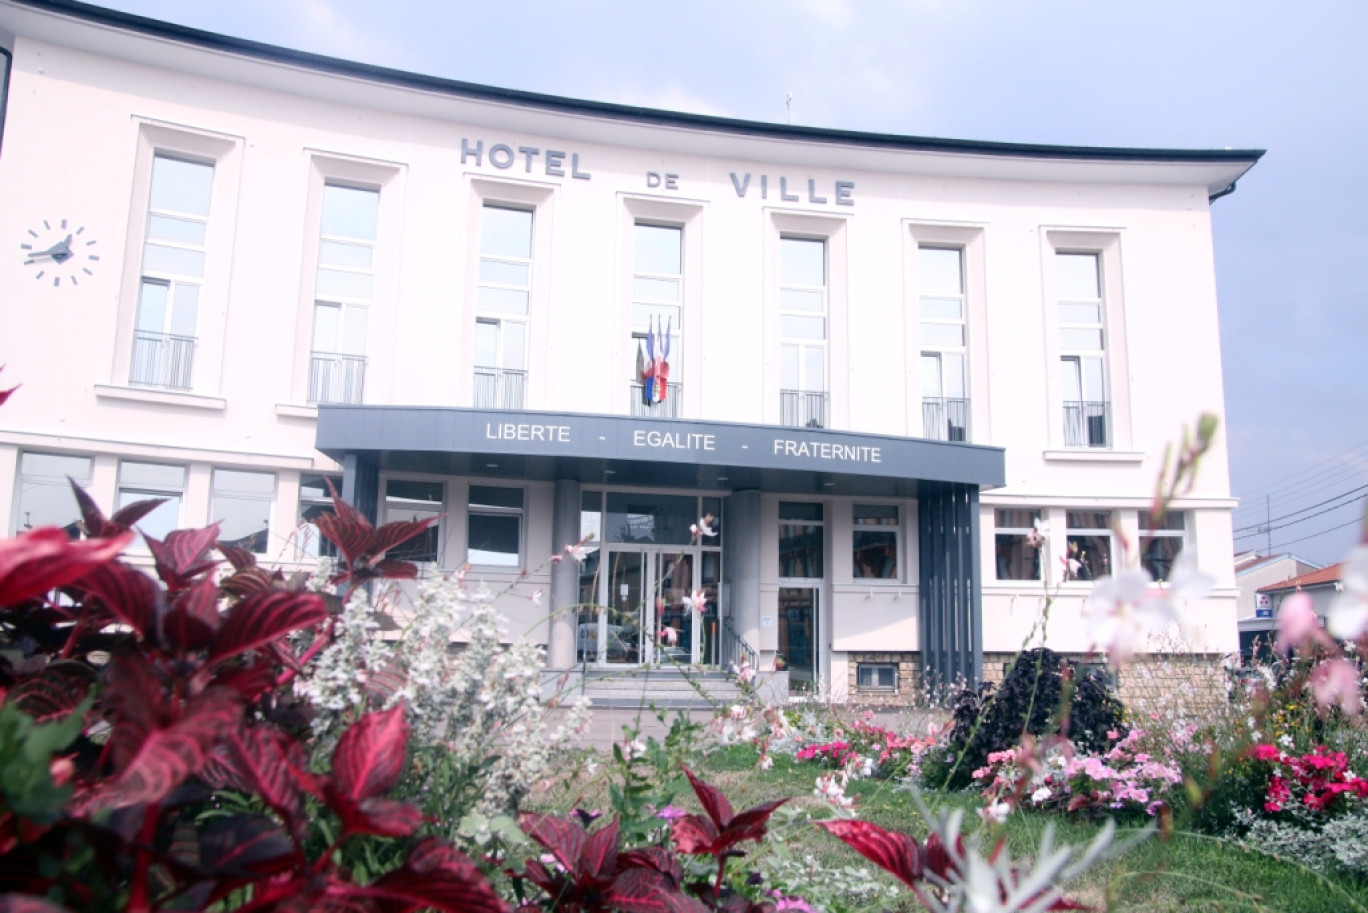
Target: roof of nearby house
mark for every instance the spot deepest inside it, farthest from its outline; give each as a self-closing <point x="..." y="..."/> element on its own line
<point x="1223" y="165"/>
<point x="1249" y="561"/>
<point x="1324" y="577"/>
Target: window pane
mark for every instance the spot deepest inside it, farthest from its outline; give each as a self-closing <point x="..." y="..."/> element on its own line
<point x="656" y="249"/>
<point x="349" y="212"/>
<point x="942" y="334"/>
<point x="942" y="308"/>
<point x="800" y="550"/>
<point x="788" y="367"/>
<point x="179" y="186"/>
<point x="875" y="555"/>
<point x="506" y="233"/>
<point x="409" y="500"/>
<point x="1093" y="388"/>
<point x="501" y="272"/>
<point x="800" y="510"/>
<point x="1080" y="313"/>
<point x="185" y="311"/>
<point x="337" y="284"/>
<point x="182" y="231"/>
<point x="494" y="540"/>
<point x="1172" y="520"/>
<point x="802" y="327"/>
<point x="354" y="330"/>
<point x="407" y="493"/>
<point x="1082" y="340"/>
<point x="655" y="289"/>
<point x="261" y="483"/>
<point x="502" y="300"/>
<point x="1073" y="381"/>
<point x="666" y="315"/>
<point x="952" y="374"/>
<point x="1157" y="554"/>
<point x="352" y="256"/>
<point x="1093" y="554"/>
<point x="245" y="521"/>
<point x="798" y="300"/>
<point x="814" y="369"/>
<point x="152" y="474"/>
<point x="931" y="377"/>
<point x="1016" y="519"/>
<point x="152" y="306"/>
<point x="486" y="344"/>
<point x="515" y="345"/>
<point x="939" y="271"/>
<point x="1016" y="559"/>
<point x="163" y="520"/>
<point x="1076" y="276"/>
<point x="659" y="519"/>
<point x="161" y="259"/>
<point x="55" y="465"/>
<point x="802" y="262"/>
<point x="875" y="514"/>
<point x="326" y="320"/>
<point x="315" y="488"/>
<point x="494" y="496"/>
<point x="1088" y="519"/>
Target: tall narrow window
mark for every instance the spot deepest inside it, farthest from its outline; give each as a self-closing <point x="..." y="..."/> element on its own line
<point x="343" y="289"/>
<point x="1014" y="556"/>
<point x="874" y="541"/>
<point x="172" y="273"/>
<point x="945" y="400"/>
<point x="802" y="545"/>
<point x="314" y="500"/>
<point x="657" y="319"/>
<point x="1082" y="346"/>
<point x="494" y="526"/>
<point x="1090" y="544"/>
<point x="502" y="306"/>
<point x="408" y="500"/>
<point x="803" y="327"/>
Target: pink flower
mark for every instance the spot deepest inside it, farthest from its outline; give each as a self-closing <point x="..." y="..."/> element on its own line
<point x="1297" y="622"/>
<point x="744" y="672"/>
<point x="1038" y="535"/>
<point x="1336" y="682"/>
<point x="703" y="527"/>
<point x="697" y="601"/>
<point x="536" y="597"/>
<point x="669" y="636"/>
<point x="577" y="551"/>
<point x="671" y="813"/>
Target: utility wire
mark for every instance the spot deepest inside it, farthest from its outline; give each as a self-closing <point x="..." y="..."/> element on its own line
<point x="1268" y="524"/>
<point x="1261" y="532"/>
<point x="1314" y="535"/>
<point x="1330" y="459"/>
<point x="1341" y="476"/>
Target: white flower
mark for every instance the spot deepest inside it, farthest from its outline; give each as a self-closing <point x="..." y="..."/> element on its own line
<point x="1040" y="795"/>
<point x="996" y="812"/>
<point x="766" y="762"/>
<point x="1349" y="611"/>
<point x="744" y="672"/>
<point x="1123" y="608"/>
<point x="703" y="527"/>
<point x="1038" y="536"/>
<point x="634" y="749"/>
<point x="536" y="597"/>
<point x="697" y="601"/>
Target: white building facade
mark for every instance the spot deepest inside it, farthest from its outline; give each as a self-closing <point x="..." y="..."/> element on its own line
<point x="236" y="272"/>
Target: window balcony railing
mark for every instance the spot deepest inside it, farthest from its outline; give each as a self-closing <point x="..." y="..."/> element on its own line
<point x="1087" y="424"/>
<point x="669" y="408"/>
<point x="500" y="388"/>
<point x="336" y="378"/>
<point x="803" y="408"/>
<point x="945" y="419"/>
<point x="162" y="360"/>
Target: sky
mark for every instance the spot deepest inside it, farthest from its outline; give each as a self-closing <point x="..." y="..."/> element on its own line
<point x="1291" y="243"/>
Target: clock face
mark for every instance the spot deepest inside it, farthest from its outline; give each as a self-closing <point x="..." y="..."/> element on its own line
<point x="59" y="251"/>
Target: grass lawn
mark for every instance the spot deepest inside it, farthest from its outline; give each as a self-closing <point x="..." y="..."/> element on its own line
<point x="1185" y="872"/>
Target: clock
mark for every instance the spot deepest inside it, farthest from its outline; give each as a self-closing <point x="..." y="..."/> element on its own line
<point x="59" y="252"/>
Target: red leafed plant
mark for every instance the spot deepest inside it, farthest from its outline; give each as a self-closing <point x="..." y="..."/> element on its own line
<point x="132" y="706"/>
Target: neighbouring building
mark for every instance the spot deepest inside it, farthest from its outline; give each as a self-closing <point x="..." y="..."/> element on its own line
<point x="236" y="272"/>
<point x="1254" y="575"/>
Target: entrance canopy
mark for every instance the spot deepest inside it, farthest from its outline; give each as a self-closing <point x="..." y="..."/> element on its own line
<point x="648" y="452"/>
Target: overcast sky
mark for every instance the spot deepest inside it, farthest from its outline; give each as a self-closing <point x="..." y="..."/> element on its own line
<point x="1292" y="78"/>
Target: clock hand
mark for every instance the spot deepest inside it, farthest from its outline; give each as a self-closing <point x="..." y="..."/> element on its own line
<point x="59" y="252"/>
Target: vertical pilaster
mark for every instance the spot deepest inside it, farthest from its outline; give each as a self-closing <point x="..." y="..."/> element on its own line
<point x="565" y="529"/>
<point x="361" y="484"/>
<point x="741" y="562"/>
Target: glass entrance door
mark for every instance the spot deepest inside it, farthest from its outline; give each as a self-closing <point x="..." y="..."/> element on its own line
<point x="798" y="635"/>
<point x="645" y="613"/>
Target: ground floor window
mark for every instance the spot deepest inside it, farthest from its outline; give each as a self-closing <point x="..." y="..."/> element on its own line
<point x="1016" y="558"/>
<point x="44" y="497"/>
<point x="314" y="501"/>
<point x="410" y="499"/>
<point x="876" y="677"/>
<point x="875" y="541"/>
<point x="494" y="526"/>
<point x="242" y="505"/>
<point x="1090" y="544"/>
<point x="143" y="481"/>
<point x="801" y="540"/>
<point x="1160" y="542"/>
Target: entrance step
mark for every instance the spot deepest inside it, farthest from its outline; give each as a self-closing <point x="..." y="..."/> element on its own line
<point x="666" y="688"/>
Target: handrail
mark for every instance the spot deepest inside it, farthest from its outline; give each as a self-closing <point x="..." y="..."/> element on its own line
<point x="735" y="648"/>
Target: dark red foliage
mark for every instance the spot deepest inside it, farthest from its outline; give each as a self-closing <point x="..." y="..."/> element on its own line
<point x="363" y="546"/>
<point x="187" y="676"/>
<point x="719" y="832"/>
<point x="95" y="523"/>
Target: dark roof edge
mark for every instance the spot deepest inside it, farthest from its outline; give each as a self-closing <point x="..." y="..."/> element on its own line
<point x="337" y="66"/>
